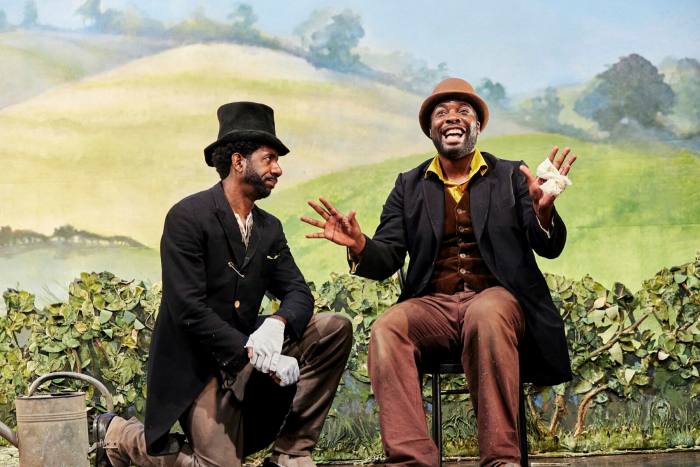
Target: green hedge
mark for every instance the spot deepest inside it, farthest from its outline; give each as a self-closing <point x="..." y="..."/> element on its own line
<point x="635" y="359"/>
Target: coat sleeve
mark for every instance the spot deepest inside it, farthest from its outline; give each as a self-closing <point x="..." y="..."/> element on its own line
<point x="184" y="288"/>
<point x="547" y="246"/>
<point x="385" y="253"/>
<point x="287" y="284"/>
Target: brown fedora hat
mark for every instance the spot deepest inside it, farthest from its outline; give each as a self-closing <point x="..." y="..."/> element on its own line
<point x="249" y="121"/>
<point x="452" y="88"/>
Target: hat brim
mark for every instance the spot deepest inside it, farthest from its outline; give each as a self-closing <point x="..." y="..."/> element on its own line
<point x="256" y="136"/>
<point x="426" y="109"/>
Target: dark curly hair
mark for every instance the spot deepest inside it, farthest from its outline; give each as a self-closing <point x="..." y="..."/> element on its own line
<point x="221" y="157"/>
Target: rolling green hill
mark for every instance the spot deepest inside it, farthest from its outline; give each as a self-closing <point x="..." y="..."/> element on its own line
<point x="35" y="61"/>
<point x="111" y="153"/>
<point x="630" y="212"/>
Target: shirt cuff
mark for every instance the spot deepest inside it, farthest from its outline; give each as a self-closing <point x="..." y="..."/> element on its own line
<point x="354" y="262"/>
<point x="546" y="231"/>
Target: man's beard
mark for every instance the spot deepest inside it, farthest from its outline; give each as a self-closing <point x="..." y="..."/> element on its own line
<point x="257" y="182"/>
<point x="459" y="152"/>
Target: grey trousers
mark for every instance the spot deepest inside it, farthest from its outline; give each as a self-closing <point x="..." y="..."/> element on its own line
<point x="221" y="431"/>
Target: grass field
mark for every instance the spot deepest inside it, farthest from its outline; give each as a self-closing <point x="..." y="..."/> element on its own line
<point x="630" y="212"/>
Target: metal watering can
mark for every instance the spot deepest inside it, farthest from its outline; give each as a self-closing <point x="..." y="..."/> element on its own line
<point x="52" y="428"/>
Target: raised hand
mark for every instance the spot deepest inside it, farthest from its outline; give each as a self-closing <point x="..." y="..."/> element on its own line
<point x="336" y="227"/>
<point x="542" y="202"/>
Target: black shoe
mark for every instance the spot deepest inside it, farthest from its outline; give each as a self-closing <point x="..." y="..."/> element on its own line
<point x="99" y="431"/>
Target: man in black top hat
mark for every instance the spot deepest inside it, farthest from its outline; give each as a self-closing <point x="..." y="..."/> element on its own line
<point x="234" y="380"/>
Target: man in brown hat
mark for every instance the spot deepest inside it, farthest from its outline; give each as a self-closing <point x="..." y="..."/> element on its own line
<point x="234" y="380"/>
<point x="469" y="222"/>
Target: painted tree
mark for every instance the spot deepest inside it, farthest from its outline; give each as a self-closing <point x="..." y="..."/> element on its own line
<point x="242" y="16"/>
<point x="543" y="110"/>
<point x="4" y="25"/>
<point x="31" y="14"/>
<point x="90" y="11"/>
<point x="684" y="78"/>
<point x="332" y="45"/>
<point x="631" y="89"/>
<point x="492" y="91"/>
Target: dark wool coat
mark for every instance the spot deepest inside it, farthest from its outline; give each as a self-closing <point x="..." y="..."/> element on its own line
<point x="208" y="310"/>
<point x="507" y="232"/>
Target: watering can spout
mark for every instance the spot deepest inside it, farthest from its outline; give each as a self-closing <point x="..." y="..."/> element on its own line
<point x="8" y="434"/>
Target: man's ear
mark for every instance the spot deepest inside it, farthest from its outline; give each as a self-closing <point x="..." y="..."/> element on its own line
<point x="478" y="126"/>
<point x="237" y="162"/>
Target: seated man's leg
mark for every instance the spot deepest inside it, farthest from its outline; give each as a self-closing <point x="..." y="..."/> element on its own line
<point x="322" y="353"/>
<point x="213" y="427"/>
<point x="419" y="329"/>
<point x="492" y="329"/>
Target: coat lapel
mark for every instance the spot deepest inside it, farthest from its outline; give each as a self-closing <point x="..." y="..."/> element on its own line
<point x="258" y="226"/>
<point x="228" y="222"/>
<point x="434" y="204"/>
<point x="480" y="201"/>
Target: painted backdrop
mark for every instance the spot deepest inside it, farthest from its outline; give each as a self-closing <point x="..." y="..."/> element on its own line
<point x="105" y="108"/>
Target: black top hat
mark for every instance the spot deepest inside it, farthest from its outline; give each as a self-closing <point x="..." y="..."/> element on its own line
<point x="247" y="121"/>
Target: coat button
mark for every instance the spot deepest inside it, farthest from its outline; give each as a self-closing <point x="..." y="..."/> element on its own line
<point x="462" y="271"/>
<point x="460" y="211"/>
<point x="462" y="256"/>
<point x="237" y="304"/>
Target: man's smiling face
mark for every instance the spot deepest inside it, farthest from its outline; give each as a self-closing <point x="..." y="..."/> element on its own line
<point x="454" y="128"/>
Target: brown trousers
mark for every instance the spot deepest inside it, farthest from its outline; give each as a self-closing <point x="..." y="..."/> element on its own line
<point x="221" y="431"/>
<point x="485" y="329"/>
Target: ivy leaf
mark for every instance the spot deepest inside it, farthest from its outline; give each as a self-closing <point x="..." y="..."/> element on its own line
<point x="52" y="347"/>
<point x="105" y="315"/>
<point x="70" y="342"/>
<point x="609" y="333"/>
<point x="582" y="387"/>
<point x="129" y="317"/>
<point x="599" y="302"/>
<point x="679" y="278"/>
<point x="616" y="352"/>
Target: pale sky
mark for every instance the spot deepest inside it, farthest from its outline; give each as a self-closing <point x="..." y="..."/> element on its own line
<point x="526" y="45"/>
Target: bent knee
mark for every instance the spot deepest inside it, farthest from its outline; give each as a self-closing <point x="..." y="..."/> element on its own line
<point x="497" y="310"/>
<point x="334" y="323"/>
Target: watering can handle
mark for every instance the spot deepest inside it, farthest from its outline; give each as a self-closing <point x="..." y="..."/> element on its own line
<point x="69" y="374"/>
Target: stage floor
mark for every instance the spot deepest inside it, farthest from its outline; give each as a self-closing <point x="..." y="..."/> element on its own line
<point x="8" y="458"/>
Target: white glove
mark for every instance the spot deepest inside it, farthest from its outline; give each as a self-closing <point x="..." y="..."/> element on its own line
<point x="266" y="343"/>
<point x="287" y="370"/>
<point x="556" y="182"/>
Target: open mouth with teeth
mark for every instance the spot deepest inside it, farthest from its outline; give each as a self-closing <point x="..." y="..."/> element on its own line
<point x="453" y="135"/>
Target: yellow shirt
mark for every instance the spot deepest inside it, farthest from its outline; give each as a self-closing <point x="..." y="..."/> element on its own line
<point x="478" y="164"/>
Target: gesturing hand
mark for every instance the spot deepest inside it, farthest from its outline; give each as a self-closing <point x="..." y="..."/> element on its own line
<point x="265" y="345"/>
<point x="542" y="202"/>
<point x="338" y="228"/>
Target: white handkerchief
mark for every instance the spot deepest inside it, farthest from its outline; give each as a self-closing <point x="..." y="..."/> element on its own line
<point x="556" y="182"/>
